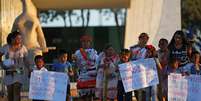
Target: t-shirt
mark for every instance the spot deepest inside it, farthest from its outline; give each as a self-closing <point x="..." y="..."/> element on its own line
<point x="42" y="69"/>
<point x="18" y="58"/>
<point x="62" y="67"/>
<point x="180" y="54"/>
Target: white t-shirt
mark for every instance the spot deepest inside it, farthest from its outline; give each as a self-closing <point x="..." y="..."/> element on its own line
<point x="42" y="69"/>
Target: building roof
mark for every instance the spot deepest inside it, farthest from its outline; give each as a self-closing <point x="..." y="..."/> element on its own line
<point x="80" y="4"/>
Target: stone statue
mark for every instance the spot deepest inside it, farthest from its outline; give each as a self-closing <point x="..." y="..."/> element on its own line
<point x="28" y="24"/>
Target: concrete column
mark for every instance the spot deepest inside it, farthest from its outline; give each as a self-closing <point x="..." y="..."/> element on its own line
<point x="158" y="18"/>
<point x="10" y="9"/>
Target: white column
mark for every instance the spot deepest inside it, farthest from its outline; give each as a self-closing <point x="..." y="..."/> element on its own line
<point x="158" y="18"/>
<point x="10" y="9"/>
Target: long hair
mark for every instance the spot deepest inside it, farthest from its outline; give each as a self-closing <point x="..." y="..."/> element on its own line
<point x="181" y="33"/>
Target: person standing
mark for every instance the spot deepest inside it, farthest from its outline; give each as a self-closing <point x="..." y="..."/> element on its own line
<point x="28" y="24"/>
<point x="39" y="65"/>
<point x="107" y="78"/>
<point x="15" y="65"/>
<point x="178" y="48"/>
<point x="63" y="66"/>
<point x="86" y="58"/>
<point x="121" y="95"/>
<point x="163" y="52"/>
<point x="138" y="51"/>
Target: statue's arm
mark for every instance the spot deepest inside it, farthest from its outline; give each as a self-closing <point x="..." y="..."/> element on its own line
<point x="14" y="27"/>
<point x="41" y="38"/>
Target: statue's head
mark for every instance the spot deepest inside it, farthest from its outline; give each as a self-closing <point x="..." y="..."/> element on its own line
<point x="29" y="7"/>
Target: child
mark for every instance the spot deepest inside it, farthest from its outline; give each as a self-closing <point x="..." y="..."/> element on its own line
<point x="124" y="57"/>
<point x="39" y="65"/>
<point x="151" y="91"/>
<point x="172" y="67"/>
<point x="163" y="52"/>
<point x="86" y="58"/>
<point x="194" y="67"/>
<point x="62" y="65"/>
<point x="106" y="80"/>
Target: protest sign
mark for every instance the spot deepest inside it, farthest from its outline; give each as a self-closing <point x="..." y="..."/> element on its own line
<point x="139" y="74"/>
<point x="45" y="85"/>
<point x="177" y="87"/>
<point x="184" y="88"/>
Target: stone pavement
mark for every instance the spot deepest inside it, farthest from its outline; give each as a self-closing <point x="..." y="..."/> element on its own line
<point x="25" y="98"/>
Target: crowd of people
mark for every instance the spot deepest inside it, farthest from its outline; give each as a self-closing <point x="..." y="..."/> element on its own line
<point x="97" y="75"/>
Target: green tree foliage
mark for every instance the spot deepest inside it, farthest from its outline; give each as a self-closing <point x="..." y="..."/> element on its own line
<point x="191" y="12"/>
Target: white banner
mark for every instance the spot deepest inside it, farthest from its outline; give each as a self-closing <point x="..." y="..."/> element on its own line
<point x="139" y="74"/>
<point x="46" y="85"/>
<point x="182" y="88"/>
<point x="177" y="87"/>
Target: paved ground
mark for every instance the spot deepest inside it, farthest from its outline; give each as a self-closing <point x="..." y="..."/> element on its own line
<point x="26" y="99"/>
<point x="24" y="96"/>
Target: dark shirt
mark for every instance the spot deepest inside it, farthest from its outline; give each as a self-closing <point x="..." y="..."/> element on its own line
<point x="180" y="54"/>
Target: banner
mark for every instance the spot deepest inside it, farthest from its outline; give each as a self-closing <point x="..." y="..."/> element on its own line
<point x="51" y="86"/>
<point x="139" y="74"/>
<point x="184" y="88"/>
<point x="177" y="87"/>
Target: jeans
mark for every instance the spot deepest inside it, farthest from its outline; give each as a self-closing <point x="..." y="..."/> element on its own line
<point x="151" y="93"/>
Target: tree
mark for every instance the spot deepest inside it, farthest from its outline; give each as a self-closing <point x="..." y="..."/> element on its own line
<point x="51" y="15"/>
<point x="191" y="12"/>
